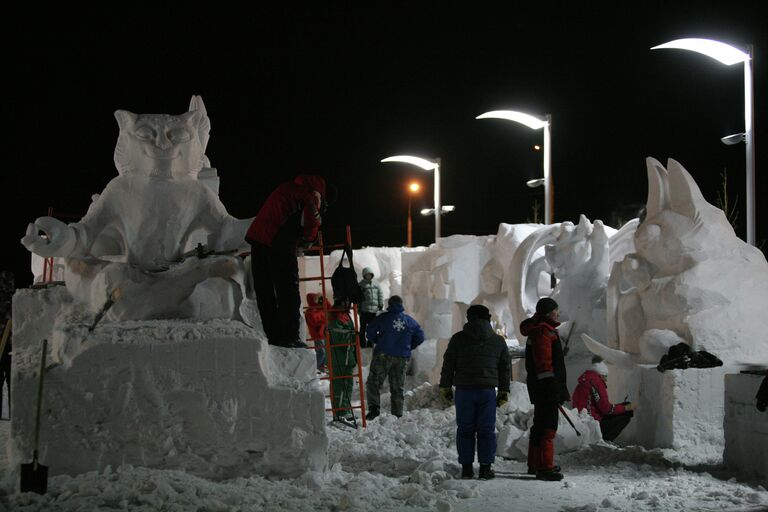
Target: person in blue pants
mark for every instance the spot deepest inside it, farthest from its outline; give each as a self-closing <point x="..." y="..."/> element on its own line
<point x="476" y="362"/>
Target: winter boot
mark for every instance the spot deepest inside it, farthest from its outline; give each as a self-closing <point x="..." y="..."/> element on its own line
<point x="550" y="475"/>
<point x="373" y="412"/>
<point x="486" y="473"/>
<point x="467" y="473"/>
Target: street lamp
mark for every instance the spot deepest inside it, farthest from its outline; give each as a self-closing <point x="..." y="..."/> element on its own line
<point x="534" y="123"/>
<point x="446" y="208"/>
<point x="427" y="165"/>
<point x="729" y="55"/>
<point x="413" y="188"/>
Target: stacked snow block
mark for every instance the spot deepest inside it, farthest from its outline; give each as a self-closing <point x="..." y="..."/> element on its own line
<point x="211" y="398"/>
<point x="678" y="409"/>
<point x="746" y="428"/>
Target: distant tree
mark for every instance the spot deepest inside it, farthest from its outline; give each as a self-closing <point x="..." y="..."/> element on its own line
<point x="723" y="202"/>
<point x="535" y="210"/>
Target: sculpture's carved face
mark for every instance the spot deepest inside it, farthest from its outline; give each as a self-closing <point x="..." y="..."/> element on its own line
<point x="159" y="146"/>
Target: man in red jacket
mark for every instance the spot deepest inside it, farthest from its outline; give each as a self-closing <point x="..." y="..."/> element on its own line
<point x="591" y="393"/>
<point x="545" y="365"/>
<point x="290" y="217"/>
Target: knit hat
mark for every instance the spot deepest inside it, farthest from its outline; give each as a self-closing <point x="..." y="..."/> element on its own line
<point x="478" y="311"/>
<point x="545" y="306"/>
<point x="600" y="368"/>
<point x="395" y="299"/>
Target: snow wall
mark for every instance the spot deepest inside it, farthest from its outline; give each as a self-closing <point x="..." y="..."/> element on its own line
<point x="211" y="398"/>
<point x="746" y="428"/>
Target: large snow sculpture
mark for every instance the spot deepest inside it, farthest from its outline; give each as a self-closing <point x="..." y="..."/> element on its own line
<point x="690" y="280"/>
<point x="580" y="257"/>
<point x="136" y="232"/>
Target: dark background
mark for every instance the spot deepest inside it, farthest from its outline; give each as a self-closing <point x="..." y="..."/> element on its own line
<point x="332" y="90"/>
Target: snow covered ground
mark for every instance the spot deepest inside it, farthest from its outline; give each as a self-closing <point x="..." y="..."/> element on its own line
<point x="408" y="464"/>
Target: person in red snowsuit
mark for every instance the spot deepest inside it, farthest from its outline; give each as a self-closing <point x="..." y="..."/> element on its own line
<point x="316" y="322"/>
<point x="290" y="217"/>
<point x="545" y="365"/>
<point x="591" y="393"/>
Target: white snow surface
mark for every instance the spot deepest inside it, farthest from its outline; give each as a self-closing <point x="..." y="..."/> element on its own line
<point x="408" y="464"/>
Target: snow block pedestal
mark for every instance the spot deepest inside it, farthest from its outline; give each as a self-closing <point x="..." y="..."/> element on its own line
<point x="746" y="428"/>
<point x="210" y="398"/>
<point x="678" y="409"/>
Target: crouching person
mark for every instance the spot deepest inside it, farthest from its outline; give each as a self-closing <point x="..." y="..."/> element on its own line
<point x="547" y="390"/>
<point x="476" y="362"/>
<point x="591" y="393"/>
<point x="393" y="334"/>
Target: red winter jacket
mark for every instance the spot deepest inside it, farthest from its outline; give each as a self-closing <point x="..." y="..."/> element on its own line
<point x="544" y="361"/>
<point x="591" y="394"/>
<point x="291" y="211"/>
<point x="315" y="318"/>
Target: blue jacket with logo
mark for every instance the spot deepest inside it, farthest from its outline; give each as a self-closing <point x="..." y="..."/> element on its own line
<point x="394" y="333"/>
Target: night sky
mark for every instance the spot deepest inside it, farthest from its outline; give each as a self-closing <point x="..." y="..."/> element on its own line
<point x="332" y="90"/>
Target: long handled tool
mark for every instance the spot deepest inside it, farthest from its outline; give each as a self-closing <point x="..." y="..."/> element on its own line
<point x="34" y="476"/>
<point x="568" y="418"/>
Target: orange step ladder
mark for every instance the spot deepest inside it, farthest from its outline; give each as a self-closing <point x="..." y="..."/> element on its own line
<point x="326" y="340"/>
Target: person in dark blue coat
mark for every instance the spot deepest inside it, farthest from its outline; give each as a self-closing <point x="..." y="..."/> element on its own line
<point x="393" y="335"/>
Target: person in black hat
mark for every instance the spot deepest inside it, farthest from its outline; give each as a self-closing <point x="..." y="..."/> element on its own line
<point x="476" y="362"/>
<point x="545" y="365"/>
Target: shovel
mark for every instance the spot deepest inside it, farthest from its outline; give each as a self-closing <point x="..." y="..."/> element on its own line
<point x="34" y="476"/>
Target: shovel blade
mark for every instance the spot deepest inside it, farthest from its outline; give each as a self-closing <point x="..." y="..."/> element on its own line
<point x="34" y="478"/>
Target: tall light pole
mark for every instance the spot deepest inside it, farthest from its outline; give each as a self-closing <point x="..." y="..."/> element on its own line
<point x="729" y="55"/>
<point x="534" y="123"/>
<point x="427" y="165"/>
<point x="413" y="188"/>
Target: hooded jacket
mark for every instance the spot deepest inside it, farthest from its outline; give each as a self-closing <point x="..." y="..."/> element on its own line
<point x="591" y="394"/>
<point x="373" y="300"/>
<point x="476" y="357"/>
<point x="394" y="333"/>
<point x="544" y="360"/>
<point x="315" y="317"/>
<point x="290" y="213"/>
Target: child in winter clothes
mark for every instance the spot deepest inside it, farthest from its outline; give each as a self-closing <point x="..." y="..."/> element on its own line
<point x="343" y="359"/>
<point x="316" y="321"/>
<point x="545" y="365"/>
<point x="591" y="393"/>
<point x="373" y="302"/>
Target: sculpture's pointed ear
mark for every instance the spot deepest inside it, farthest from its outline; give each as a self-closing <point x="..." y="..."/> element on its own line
<point x="204" y="129"/>
<point x="658" y="188"/>
<point x="125" y="118"/>
<point x="196" y="103"/>
<point x="684" y="194"/>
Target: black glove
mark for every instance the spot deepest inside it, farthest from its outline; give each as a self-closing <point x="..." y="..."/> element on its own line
<point x="502" y="398"/>
<point x="447" y="393"/>
<point x="762" y="406"/>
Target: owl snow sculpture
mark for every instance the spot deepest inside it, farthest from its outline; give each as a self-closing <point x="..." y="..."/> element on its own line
<point x="136" y="232"/>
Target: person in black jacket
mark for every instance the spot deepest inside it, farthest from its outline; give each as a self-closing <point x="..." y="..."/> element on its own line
<point x="476" y="362"/>
<point x="545" y="365"/>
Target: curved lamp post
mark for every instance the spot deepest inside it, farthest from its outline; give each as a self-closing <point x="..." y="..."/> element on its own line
<point x="427" y="165"/>
<point x="534" y="123"/>
<point x="729" y="55"/>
